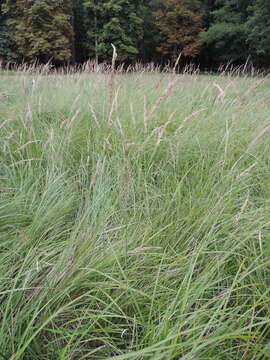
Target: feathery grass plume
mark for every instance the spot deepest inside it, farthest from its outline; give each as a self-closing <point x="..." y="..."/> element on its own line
<point x="161" y="129"/>
<point x="3" y="96"/>
<point x="186" y="119"/>
<point x="127" y="171"/>
<point x="23" y="146"/>
<point x="176" y="63"/>
<point x="258" y="137"/>
<point x="157" y="131"/>
<point x="252" y="144"/>
<point x="113" y="107"/>
<point x="255" y="86"/>
<point x="21" y="162"/>
<point x="246" y="172"/>
<point x="112" y="74"/>
<point x="167" y="92"/>
<point x="227" y="136"/>
<point x="220" y="97"/>
<point x="4" y="123"/>
<point x="243" y="208"/>
<point x="94" y="116"/>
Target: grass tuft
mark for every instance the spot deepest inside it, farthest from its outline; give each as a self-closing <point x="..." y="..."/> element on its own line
<point x="134" y="218"/>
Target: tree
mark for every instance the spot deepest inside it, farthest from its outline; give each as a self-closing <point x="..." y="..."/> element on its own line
<point x="258" y="29"/>
<point x="7" y="46"/>
<point x="42" y="29"/>
<point x="151" y="34"/>
<point x="179" y="22"/>
<point x="226" y="38"/>
<point x="80" y="31"/>
<point x="112" y="21"/>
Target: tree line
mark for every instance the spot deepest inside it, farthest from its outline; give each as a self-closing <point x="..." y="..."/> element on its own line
<point x="209" y="32"/>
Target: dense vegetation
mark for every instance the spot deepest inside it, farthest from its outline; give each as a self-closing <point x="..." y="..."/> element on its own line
<point x="209" y="32"/>
<point x="134" y="217"/>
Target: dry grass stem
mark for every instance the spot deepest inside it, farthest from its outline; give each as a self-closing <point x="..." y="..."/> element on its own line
<point x="112" y="74"/>
<point x="220" y="97"/>
<point x="255" y="87"/>
<point x="127" y="171"/>
<point x="94" y="115"/>
<point x="243" y="207"/>
<point x="133" y="119"/>
<point x="246" y="171"/>
<point x="113" y="107"/>
<point x="160" y="130"/>
<point x="144" y="114"/>
<point x="176" y="63"/>
<point x="25" y="161"/>
<point x="144" y="249"/>
<point x="98" y="169"/>
<point x="26" y="144"/>
<point x="258" y="137"/>
<point x="3" y="96"/>
<point x="3" y="124"/>
<point x="227" y="135"/>
<point x="186" y="119"/>
<point x="167" y="92"/>
<point x="68" y="122"/>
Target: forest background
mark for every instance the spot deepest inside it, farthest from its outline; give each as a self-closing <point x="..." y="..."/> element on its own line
<point x="206" y="32"/>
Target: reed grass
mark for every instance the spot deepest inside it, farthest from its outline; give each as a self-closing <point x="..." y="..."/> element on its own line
<point x="121" y="240"/>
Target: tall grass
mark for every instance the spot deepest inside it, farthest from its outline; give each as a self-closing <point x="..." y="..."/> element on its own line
<point x="136" y="228"/>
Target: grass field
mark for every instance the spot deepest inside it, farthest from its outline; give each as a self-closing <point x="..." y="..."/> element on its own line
<point x="134" y="217"/>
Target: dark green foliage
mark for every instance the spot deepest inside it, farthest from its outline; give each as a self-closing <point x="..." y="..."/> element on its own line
<point x="42" y="30"/>
<point x="7" y="46"/>
<point x="68" y="31"/>
<point x="80" y="32"/>
<point x="118" y="22"/>
<point x="151" y="33"/>
<point x="259" y="32"/>
<point x="226" y="37"/>
<point x="180" y="23"/>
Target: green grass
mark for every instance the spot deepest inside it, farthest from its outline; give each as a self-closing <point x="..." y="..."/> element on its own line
<point x="133" y="230"/>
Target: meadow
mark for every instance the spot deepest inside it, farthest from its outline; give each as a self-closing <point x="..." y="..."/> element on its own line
<point x="134" y="216"/>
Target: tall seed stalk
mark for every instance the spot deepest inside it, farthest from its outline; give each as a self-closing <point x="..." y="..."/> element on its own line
<point x="112" y="74"/>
